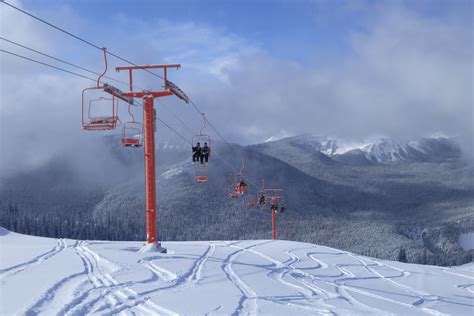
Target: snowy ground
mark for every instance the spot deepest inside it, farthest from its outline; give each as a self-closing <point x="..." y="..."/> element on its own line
<point x="50" y="276"/>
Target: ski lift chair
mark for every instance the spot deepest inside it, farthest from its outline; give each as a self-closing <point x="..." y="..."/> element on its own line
<point x="200" y="169"/>
<point x="94" y="103"/>
<point x="91" y="121"/>
<point x="132" y="134"/>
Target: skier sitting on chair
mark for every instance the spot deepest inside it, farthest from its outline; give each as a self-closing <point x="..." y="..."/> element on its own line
<point x="241" y="187"/>
<point x="205" y="151"/>
<point x="197" y="152"/>
<point x="274" y="206"/>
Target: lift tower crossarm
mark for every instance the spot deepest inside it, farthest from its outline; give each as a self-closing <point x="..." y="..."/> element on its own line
<point x="176" y="66"/>
<point x="131" y="68"/>
<point x="142" y="94"/>
<point x="149" y="144"/>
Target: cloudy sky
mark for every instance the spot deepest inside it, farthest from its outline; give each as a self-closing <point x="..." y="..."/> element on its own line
<point x="351" y="69"/>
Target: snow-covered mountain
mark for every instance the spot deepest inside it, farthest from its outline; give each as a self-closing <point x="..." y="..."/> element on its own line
<point x="375" y="150"/>
<point x="43" y="276"/>
<point x="387" y="150"/>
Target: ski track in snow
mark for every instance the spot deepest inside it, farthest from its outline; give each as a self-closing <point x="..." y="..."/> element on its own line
<point x="248" y="303"/>
<point x="422" y="298"/>
<point x="119" y="296"/>
<point x="60" y="246"/>
<point x="191" y="278"/>
<point x="97" y="281"/>
<point x="342" y="289"/>
<point x="160" y="273"/>
<point x="314" y="286"/>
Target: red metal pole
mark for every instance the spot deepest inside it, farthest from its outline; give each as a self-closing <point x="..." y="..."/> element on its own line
<point x="150" y="178"/>
<point x="273" y="225"/>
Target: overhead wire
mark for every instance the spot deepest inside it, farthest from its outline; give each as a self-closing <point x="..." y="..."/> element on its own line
<point x="46" y="64"/>
<point x="62" y="61"/>
<point x="174" y="115"/>
<point x="198" y="110"/>
<point x="77" y="37"/>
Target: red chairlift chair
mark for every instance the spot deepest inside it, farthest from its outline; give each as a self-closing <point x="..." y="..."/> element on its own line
<point x="95" y="122"/>
<point x="200" y="169"/>
<point x="94" y="96"/>
<point x="237" y="185"/>
<point x="132" y="132"/>
<point x="232" y="189"/>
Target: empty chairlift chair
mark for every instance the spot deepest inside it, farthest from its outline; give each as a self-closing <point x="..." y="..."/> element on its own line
<point x="132" y="134"/>
<point x="100" y="105"/>
<point x="101" y="114"/>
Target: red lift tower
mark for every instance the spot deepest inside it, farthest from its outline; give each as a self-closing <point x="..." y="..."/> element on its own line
<point x="149" y="142"/>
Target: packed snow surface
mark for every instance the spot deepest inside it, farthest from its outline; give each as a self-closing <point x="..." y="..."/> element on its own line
<point x="69" y="277"/>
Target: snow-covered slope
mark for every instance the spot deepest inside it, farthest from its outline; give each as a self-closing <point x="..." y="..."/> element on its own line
<point x="50" y="276"/>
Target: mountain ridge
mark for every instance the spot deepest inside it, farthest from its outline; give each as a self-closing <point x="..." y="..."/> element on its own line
<point x="381" y="150"/>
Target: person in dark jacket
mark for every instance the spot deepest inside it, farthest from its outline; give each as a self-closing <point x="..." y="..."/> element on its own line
<point x="274" y="207"/>
<point x="205" y="151"/>
<point x="261" y="199"/>
<point x="197" y="152"/>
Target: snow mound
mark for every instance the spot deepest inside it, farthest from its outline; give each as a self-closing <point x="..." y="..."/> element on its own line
<point x="253" y="277"/>
<point x="152" y="248"/>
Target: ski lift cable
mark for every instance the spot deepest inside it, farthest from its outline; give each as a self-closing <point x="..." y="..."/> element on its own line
<point x="188" y="142"/>
<point x="48" y="65"/>
<point x="76" y="37"/>
<point x="214" y="153"/>
<point x="62" y="61"/>
<point x="174" y="115"/>
<point x="210" y="124"/>
<point x="225" y="141"/>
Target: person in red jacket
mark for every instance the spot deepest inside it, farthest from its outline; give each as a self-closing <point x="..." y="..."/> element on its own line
<point x="241" y="187"/>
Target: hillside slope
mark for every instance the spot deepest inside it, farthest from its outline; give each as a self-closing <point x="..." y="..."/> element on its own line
<point x="59" y="276"/>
